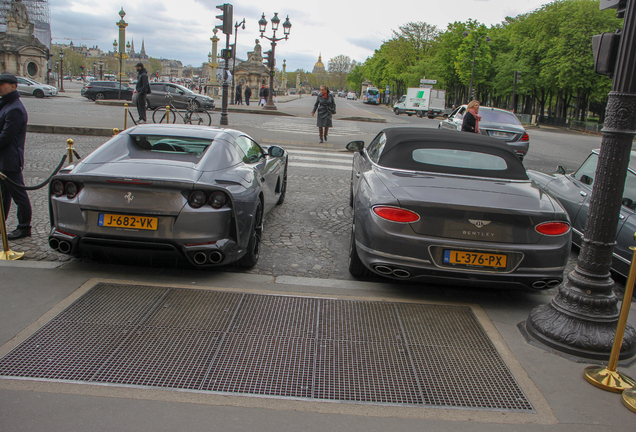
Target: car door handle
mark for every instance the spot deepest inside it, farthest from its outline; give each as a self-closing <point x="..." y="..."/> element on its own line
<point x="583" y="194"/>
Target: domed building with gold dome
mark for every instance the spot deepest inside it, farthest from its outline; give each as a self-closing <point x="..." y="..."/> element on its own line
<point x="319" y="66"/>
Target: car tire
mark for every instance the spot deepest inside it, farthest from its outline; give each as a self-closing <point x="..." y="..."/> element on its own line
<point x="419" y="114"/>
<point x="409" y="114"/>
<point x="431" y="117"/>
<point x="396" y="111"/>
<point x="250" y="258"/>
<point x="99" y="96"/>
<point x="283" y="187"/>
<point x="356" y="268"/>
<point x="38" y="93"/>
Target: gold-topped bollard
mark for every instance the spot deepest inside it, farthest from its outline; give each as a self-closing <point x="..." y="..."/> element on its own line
<point x="125" y="115"/>
<point x="115" y="131"/>
<point x="609" y="378"/>
<point x="6" y="254"/>
<point x="69" y="150"/>
<point x="167" y="114"/>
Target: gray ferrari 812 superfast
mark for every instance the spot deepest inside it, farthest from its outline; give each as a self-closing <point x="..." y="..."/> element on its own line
<point x="443" y="206"/>
<point x="199" y="193"/>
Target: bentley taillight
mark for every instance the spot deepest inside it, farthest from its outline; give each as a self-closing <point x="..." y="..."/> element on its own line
<point x="396" y="214"/>
<point x="552" y="228"/>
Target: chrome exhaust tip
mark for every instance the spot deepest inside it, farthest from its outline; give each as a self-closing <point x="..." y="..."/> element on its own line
<point x="200" y="258"/>
<point x="554" y="283"/>
<point x="383" y="269"/>
<point x="216" y="257"/>
<point x="539" y="284"/>
<point x="64" y="247"/>
<point x="54" y="243"/>
<point x="401" y="273"/>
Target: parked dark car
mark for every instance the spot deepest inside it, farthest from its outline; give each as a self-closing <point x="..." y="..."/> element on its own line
<point x="180" y="97"/>
<point x="496" y="123"/>
<point x="98" y="90"/>
<point x="574" y="191"/>
<point x="192" y="192"/>
<point x="441" y="206"/>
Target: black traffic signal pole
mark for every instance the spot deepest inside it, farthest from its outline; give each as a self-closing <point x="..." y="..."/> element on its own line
<point x="226" y="27"/>
<point x="582" y="317"/>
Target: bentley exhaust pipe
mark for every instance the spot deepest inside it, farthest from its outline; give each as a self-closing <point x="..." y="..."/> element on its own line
<point x="54" y="243"/>
<point x="200" y="258"/>
<point x="216" y="257"/>
<point x="400" y="273"/>
<point x="554" y="283"/>
<point x="64" y="247"/>
<point x="383" y="269"/>
<point x="539" y="284"/>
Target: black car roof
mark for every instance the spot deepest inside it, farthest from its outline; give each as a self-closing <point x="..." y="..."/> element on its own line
<point x="401" y="142"/>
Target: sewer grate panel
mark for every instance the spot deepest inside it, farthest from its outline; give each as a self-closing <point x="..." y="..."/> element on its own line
<point x="283" y="346"/>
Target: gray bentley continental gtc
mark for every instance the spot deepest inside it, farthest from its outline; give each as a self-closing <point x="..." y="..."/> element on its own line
<point x="441" y="206"/>
<point x="195" y="192"/>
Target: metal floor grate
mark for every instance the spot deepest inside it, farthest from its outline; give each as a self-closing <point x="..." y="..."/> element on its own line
<point x="325" y="349"/>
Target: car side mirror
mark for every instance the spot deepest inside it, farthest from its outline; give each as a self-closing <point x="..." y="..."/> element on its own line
<point x="587" y="179"/>
<point x="275" y="151"/>
<point x="356" y="146"/>
<point x="561" y="169"/>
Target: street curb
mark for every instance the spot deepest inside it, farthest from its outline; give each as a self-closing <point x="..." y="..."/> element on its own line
<point x="70" y="130"/>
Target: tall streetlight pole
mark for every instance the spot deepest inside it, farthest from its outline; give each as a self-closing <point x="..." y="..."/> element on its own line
<point x="236" y="26"/>
<point x="61" y="71"/>
<point x="488" y="39"/>
<point x="582" y="317"/>
<point x="262" y="24"/>
<point x="122" y="47"/>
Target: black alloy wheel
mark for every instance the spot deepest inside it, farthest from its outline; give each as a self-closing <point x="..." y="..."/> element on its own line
<point x="356" y="268"/>
<point x="99" y="96"/>
<point x="38" y="93"/>
<point x="250" y="259"/>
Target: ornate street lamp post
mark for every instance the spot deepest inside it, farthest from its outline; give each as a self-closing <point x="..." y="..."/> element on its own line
<point x="488" y="39"/>
<point x="122" y="46"/>
<point x="236" y="26"/>
<point x="61" y="71"/>
<point x="262" y="24"/>
<point x="582" y="317"/>
<point x="57" y="72"/>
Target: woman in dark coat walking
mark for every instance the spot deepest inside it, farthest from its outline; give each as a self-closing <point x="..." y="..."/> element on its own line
<point x="326" y="107"/>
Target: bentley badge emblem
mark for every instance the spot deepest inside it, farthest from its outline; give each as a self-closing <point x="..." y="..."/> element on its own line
<point x="128" y="197"/>
<point x="478" y="223"/>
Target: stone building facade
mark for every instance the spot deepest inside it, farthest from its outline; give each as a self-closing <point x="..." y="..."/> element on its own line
<point x="253" y="72"/>
<point x="21" y="53"/>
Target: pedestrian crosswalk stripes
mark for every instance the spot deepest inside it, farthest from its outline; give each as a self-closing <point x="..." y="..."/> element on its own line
<point x="308" y="126"/>
<point x="321" y="160"/>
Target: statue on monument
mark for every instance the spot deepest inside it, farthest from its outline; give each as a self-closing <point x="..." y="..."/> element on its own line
<point x="18" y="17"/>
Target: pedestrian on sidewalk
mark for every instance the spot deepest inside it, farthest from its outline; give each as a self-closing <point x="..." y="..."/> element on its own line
<point x="239" y="95"/>
<point x="470" y="123"/>
<point x="326" y="107"/>
<point x="13" y="126"/>
<point x="248" y="94"/>
<point x="142" y="88"/>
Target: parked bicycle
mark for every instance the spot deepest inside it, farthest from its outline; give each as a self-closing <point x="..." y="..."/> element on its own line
<point x="193" y="114"/>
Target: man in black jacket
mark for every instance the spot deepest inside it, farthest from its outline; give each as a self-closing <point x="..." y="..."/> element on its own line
<point x="143" y="88"/>
<point x="13" y="125"/>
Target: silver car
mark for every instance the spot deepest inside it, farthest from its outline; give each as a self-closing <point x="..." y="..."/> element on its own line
<point x="496" y="123"/>
<point x="192" y="192"/>
<point x="27" y="86"/>
<point x="181" y="97"/>
<point x="433" y="205"/>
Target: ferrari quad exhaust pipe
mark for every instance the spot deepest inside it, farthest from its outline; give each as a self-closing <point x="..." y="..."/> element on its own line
<point x="386" y="270"/>
<point x="553" y="283"/>
<point x="64" y="247"/>
<point x="200" y="258"/>
<point x="216" y="257"/>
<point x="54" y="243"/>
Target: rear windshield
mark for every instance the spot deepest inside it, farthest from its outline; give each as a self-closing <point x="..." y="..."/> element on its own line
<point x="498" y="117"/>
<point x="372" y="92"/>
<point x="459" y="159"/>
<point x="172" y="145"/>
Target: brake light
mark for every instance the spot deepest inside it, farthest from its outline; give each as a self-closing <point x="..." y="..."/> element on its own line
<point x="526" y="137"/>
<point x="552" y="228"/>
<point x="396" y="214"/>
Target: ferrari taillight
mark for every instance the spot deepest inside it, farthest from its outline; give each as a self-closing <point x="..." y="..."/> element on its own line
<point x="553" y="228"/>
<point x="396" y="214"/>
<point x="69" y="188"/>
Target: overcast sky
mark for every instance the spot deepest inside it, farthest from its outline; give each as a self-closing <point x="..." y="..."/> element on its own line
<point x="181" y="29"/>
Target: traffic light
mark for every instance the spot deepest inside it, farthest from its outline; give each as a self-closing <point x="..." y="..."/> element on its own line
<point x="270" y="61"/>
<point x="226" y="17"/>
<point x="226" y="54"/>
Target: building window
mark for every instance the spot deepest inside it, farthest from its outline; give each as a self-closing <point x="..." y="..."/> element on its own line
<point x="32" y="69"/>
